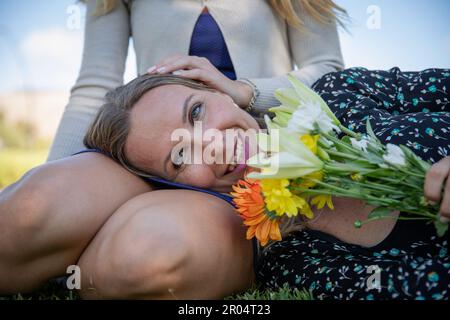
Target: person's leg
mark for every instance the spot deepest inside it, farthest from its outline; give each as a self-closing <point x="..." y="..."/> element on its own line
<point x="173" y="244"/>
<point x="49" y="216"/>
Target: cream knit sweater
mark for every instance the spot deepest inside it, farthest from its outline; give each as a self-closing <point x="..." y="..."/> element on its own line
<point x="262" y="47"/>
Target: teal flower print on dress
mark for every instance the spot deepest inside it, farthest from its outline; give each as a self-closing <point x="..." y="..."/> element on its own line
<point x="350" y="80"/>
<point x="433" y="277"/>
<point x="395" y="131"/>
<point x="394" y="252"/>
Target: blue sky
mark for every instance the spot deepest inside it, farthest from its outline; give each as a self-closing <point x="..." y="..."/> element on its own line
<point x="39" y="51"/>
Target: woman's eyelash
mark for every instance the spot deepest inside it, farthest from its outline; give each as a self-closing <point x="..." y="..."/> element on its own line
<point x="195" y="112"/>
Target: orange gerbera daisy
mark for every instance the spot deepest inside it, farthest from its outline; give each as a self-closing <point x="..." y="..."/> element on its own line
<point x="251" y="207"/>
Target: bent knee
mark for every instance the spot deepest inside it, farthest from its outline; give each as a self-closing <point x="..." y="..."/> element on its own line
<point x="147" y="248"/>
<point x="141" y="258"/>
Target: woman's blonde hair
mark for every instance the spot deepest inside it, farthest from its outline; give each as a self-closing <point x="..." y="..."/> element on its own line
<point x="323" y="11"/>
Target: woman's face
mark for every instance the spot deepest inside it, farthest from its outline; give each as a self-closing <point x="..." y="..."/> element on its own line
<point x="190" y="136"/>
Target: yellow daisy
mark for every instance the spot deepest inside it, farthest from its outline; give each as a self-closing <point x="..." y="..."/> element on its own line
<point x="278" y="198"/>
<point x="320" y="201"/>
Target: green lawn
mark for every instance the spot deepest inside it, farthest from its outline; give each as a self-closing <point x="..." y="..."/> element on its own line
<point x="51" y="291"/>
<point x="15" y="162"/>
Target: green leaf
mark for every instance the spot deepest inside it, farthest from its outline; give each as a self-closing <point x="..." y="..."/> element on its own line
<point x="282" y="108"/>
<point x="441" y="227"/>
<point x="370" y="132"/>
<point x="322" y="154"/>
<point x="288" y="97"/>
<point x="415" y="160"/>
<point x="346" y="139"/>
<point x="379" y="213"/>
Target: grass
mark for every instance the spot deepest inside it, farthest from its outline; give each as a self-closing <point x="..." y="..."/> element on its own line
<point x="52" y="291"/>
<point x="14" y="162"/>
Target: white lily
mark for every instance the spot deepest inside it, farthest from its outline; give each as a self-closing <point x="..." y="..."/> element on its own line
<point x="293" y="160"/>
<point x="394" y="155"/>
<point x="360" y="144"/>
<point x="306" y="95"/>
<point x="309" y="115"/>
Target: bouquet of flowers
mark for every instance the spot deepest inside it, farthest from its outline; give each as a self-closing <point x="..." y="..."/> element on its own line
<point x="308" y="156"/>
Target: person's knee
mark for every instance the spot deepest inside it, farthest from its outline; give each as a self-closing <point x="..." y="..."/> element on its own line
<point x="137" y="261"/>
<point x="25" y="208"/>
<point x="154" y="247"/>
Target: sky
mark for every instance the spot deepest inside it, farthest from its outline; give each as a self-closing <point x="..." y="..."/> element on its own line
<point x="41" y="41"/>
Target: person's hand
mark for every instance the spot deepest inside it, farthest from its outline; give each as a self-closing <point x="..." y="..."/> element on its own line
<point x="199" y="68"/>
<point x="437" y="176"/>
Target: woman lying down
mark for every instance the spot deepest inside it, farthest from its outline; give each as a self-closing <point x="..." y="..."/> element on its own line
<point x="164" y="227"/>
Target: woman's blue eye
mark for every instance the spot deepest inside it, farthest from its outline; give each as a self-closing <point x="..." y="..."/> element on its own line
<point x="195" y="112"/>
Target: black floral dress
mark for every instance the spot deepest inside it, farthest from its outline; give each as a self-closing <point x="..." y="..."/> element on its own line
<point x="410" y="108"/>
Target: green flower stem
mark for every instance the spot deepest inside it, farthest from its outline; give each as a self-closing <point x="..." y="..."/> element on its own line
<point x="349" y="132"/>
<point x="370" y="200"/>
<point x="375" y="201"/>
<point x="389" y="202"/>
<point x="371" y="185"/>
<point x="343" y="155"/>
<point x="324" y="145"/>
<point x="361" y="223"/>
<point x="325" y="191"/>
<point x="421" y="176"/>
<point x="340" y="143"/>
<point x="344" y="167"/>
<point x="420" y="213"/>
<point x="400" y="182"/>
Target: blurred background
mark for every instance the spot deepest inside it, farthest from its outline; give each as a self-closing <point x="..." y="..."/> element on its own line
<point x="41" y="46"/>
